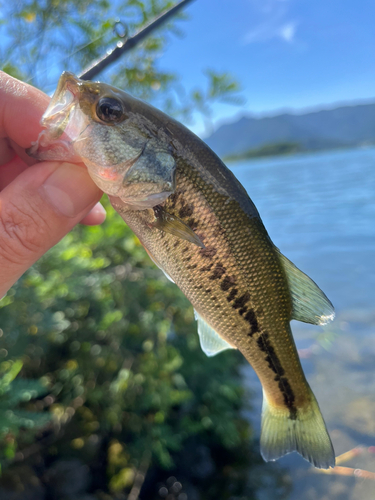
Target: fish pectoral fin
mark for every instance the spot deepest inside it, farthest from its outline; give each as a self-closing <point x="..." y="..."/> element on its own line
<point x="306" y="434"/>
<point x="310" y="304"/>
<point x="211" y="342"/>
<point x="173" y="225"/>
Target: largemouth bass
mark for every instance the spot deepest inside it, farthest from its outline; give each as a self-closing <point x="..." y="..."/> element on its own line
<point x="200" y="227"/>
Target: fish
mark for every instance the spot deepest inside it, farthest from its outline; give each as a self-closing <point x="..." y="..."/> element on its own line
<point x="200" y="227"/>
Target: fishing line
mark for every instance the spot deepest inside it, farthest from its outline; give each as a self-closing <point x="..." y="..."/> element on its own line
<point x="117" y="25"/>
<point x="121" y="31"/>
<point x="9" y="60"/>
<point x="119" y="28"/>
<point x="70" y="55"/>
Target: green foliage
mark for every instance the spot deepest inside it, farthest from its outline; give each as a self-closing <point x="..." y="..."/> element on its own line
<point x="13" y="394"/>
<point x="220" y="87"/>
<point x="116" y="344"/>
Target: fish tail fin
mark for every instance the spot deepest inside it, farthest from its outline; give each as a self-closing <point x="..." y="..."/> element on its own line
<point x="306" y="434"/>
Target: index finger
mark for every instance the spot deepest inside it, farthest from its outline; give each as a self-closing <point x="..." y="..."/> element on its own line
<point x="21" y="108"/>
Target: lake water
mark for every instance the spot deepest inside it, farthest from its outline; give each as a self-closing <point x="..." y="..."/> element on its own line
<point x="319" y="209"/>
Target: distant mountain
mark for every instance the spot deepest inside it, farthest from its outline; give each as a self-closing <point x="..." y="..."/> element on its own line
<point x="341" y="127"/>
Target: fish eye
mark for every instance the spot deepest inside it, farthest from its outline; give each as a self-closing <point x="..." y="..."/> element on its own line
<point x="109" y="110"/>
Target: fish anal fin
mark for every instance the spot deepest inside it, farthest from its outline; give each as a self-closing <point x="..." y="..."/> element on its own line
<point x="173" y="225"/>
<point x="306" y="434"/>
<point x="211" y="342"/>
<point x="310" y="304"/>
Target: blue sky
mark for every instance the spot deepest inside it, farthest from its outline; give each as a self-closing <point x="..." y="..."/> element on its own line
<point x="287" y="54"/>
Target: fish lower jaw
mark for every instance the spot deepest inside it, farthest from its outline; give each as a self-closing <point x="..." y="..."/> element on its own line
<point x="108" y="186"/>
<point x="128" y="200"/>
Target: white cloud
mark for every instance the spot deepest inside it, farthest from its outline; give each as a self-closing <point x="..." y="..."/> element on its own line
<point x="288" y="31"/>
<point x="261" y="33"/>
<point x="273" y="22"/>
<point x="272" y="29"/>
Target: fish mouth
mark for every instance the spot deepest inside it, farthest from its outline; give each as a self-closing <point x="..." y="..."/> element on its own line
<point x="63" y="102"/>
<point x="63" y="121"/>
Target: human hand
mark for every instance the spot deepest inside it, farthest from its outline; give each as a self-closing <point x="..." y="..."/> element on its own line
<point x="39" y="203"/>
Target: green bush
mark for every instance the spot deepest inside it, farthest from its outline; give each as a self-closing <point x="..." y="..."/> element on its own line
<point x="116" y="345"/>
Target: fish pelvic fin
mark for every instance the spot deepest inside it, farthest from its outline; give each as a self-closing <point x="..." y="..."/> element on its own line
<point x="211" y="342"/>
<point x="306" y="434"/>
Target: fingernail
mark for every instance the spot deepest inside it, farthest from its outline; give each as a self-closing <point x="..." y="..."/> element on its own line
<point x="99" y="210"/>
<point x="97" y="215"/>
<point x="70" y="189"/>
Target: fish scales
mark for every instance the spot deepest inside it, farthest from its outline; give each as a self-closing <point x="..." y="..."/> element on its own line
<point x="247" y="265"/>
<point x="200" y="227"/>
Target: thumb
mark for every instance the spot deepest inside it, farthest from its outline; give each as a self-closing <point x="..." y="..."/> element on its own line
<point x="37" y="209"/>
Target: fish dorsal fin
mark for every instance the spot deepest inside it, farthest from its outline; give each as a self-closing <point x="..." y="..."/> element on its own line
<point x="211" y="342"/>
<point x="310" y="304"/>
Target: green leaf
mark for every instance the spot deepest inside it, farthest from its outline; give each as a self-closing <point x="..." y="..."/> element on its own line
<point x="10" y="375"/>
